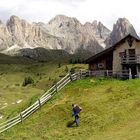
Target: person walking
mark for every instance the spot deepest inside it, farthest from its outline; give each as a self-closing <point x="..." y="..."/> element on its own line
<point x="75" y="112"/>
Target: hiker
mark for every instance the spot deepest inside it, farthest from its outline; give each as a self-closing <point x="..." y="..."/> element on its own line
<point x="75" y="112"/>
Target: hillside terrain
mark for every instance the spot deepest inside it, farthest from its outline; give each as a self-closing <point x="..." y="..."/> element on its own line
<point x="16" y="96"/>
<point x="111" y="111"/>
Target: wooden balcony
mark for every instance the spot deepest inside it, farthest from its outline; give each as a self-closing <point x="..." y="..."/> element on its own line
<point x="130" y="59"/>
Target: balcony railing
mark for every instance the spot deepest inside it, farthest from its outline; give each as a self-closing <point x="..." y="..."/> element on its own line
<point x="130" y="59"/>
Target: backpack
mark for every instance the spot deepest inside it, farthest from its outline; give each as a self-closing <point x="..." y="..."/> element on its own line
<point x="77" y="110"/>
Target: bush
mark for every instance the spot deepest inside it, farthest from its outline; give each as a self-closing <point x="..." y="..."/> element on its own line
<point x="59" y="65"/>
<point x="27" y="80"/>
<point x="72" y="70"/>
<point x="66" y="69"/>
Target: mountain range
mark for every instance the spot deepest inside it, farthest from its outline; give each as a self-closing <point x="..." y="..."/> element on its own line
<point x="21" y="38"/>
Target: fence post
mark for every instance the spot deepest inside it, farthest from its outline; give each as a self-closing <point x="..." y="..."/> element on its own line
<point x="21" y="118"/>
<point x="70" y="76"/>
<point x="80" y="74"/>
<point x="39" y="102"/>
<point x="107" y="73"/>
<point x="56" y="87"/>
<point x="89" y="73"/>
<point x="130" y="74"/>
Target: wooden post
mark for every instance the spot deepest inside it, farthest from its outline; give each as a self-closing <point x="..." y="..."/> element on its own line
<point x="107" y="73"/>
<point x="21" y="118"/>
<point x="80" y="74"/>
<point x="130" y="75"/>
<point x="56" y="87"/>
<point x="89" y="73"/>
<point x="39" y="102"/>
<point x="137" y="71"/>
<point x="70" y="76"/>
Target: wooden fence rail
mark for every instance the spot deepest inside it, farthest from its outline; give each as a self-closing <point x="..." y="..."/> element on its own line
<point x="35" y="106"/>
<point x="50" y="93"/>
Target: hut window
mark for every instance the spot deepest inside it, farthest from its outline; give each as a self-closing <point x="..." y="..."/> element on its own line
<point x="122" y="54"/>
<point x="100" y="65"/>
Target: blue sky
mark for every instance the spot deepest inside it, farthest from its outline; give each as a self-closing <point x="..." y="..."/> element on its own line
<point x="106" y="11"/>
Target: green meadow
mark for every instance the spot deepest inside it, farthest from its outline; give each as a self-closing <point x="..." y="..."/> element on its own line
<point x="15" y="97"/>
<point x="111" y="111"/>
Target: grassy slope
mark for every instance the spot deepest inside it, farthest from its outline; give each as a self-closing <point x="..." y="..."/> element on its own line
<point x="11" y="89"/>
<point x="111" y="111"/>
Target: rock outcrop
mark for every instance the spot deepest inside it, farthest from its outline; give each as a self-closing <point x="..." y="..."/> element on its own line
<point x="28" y="35"/>
<point x="18" y="37"/>
<point x="61" y="33"/>
<point x="122" y="28"/>
<point x="97" y="31"/>
<point x="72" y="32"/>
<point x="5" y="37"/>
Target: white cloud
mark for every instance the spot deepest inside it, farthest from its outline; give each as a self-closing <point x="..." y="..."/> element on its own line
<point x="106" y="11"/>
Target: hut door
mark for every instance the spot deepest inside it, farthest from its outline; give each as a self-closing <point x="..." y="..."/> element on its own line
<point x="133" y="71"/>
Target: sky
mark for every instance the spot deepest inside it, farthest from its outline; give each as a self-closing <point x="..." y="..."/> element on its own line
<point x="105" y="11"/>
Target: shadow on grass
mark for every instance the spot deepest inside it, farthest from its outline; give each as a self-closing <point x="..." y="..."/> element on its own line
<point x="71" y="124"/>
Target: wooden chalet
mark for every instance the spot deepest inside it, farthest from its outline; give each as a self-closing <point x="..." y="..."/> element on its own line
<point x="123" y="56"/>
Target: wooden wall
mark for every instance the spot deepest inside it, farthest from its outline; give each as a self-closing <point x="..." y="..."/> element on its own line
<point x="102" y="63"/>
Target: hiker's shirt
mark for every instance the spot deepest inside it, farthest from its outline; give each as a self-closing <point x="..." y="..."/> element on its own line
<point x="76" y="110"/>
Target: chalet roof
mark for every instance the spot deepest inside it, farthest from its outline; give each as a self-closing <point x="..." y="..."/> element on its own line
<point x="110" y="49"/>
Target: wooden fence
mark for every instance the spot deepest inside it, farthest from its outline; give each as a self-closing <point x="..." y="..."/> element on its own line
<point x="106" y="73"/>
<point x="49" y="94"/>
<point x="34" y="107"/>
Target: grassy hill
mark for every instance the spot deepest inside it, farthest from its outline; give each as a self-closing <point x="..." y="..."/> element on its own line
<point x="111" y="111"/>
<point x="14" y="97"/>
<point x="6" y="59"/>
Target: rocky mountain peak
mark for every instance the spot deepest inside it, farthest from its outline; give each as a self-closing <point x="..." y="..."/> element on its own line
<point x="102" y="30"/>
<point x="120" y="29"/>
<point x="98" y="31"/>
<point x="95" y="23"/>
<point x="124" y="26"/>
<point x="59" y="18"/>
<point x="88" y="24"/>
<point x="14" y="21"/>
<point x="62" y="21"/>
<point x="72" y="32"/>
<point x="122" y="21"/>
<point x="61" y="33"/>
<point x="17" y="28"/>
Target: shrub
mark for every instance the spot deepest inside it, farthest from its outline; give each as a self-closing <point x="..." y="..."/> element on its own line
<point x="27" y="80"/>
<point x="66" y="69"/>
<point x="72" y="70"/>
<point x="59" y="65"/>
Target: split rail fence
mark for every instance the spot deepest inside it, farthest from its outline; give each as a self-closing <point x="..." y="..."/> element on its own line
<point x="50" y="93"/>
